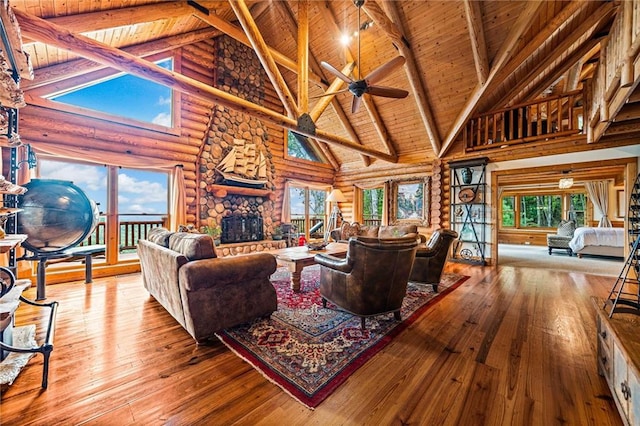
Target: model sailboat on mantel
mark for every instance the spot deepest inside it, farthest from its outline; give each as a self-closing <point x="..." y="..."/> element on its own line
<point x="243" y="166"/>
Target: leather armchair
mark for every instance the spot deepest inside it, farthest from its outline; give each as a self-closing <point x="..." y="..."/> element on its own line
<point x="371" y="279"/>
<point x="430" y="259"/>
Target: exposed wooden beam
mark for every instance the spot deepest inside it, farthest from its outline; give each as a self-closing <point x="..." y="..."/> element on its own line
<point x="13" y="50"/>
<point x="303" y="55"/>
<point x="73" y="68"/>
<point x="330" y="93"/>
<point x="506" y="50"/>
<point x="378" y="124"/>
<point x="395" y="30"/>
<point x="111" y="18"/>
<point x="346" y="125"/>
<point x="478" y="43"/>
<point x="54" y="35"/>
<point x="237" y="34"/>
<point x="264" y="55"/>
<point x="588" y="26"/>
<point x="290" y="23"/>
<point x="560" y="68"/>
<point x="284" y="9"/>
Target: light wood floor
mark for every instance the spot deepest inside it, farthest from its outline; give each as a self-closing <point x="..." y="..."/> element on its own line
<point x="509" y="347"/>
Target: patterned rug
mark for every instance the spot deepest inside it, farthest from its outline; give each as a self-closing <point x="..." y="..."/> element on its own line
<point x="309" y="351"/>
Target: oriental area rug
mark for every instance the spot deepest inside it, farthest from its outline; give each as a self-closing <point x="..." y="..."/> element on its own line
<point x="308" y="350"/>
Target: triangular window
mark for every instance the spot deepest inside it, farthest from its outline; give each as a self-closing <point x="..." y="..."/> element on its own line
<point x="298" y="146"/>
<point x="125" y="95"/>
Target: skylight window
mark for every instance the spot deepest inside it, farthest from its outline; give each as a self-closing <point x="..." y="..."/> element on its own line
<point x="125" y="95"/>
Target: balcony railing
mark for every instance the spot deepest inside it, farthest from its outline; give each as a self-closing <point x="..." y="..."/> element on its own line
<point x="130" y="233"/>
<point x="544" y="119"/>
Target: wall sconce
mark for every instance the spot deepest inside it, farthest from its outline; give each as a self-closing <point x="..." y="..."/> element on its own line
<point x="565" y="183"/>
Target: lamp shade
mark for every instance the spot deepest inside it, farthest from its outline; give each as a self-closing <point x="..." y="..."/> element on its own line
<point x="336" y="196"/>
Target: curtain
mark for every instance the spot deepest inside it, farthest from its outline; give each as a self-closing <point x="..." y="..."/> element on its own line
<point x="599" y="195"/>
<point x="177" y="191"/>
<point x="285" y="214"/>
<point x="177" y="200"/>
<point x="357" y="204"/>
<point x="385" y="206"/>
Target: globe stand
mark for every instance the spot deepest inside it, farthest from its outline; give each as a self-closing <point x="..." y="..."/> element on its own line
<point x="42" y="259"/>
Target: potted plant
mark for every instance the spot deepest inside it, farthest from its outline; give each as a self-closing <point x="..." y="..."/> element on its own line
<point x="277" y="233"/>
<point x="213" y="230"/>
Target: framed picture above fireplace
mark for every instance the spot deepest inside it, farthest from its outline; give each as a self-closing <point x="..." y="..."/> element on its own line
<point x="409" y="202"/>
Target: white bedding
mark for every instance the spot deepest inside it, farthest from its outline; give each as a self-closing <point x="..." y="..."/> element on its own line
<point x="584" y="237"/>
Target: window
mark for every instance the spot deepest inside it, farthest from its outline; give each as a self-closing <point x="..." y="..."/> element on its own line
<point x="372" y="206"/>
<point x="142" y="200"/>
<point x="508" y="212"/>
<point x="544" y="211"/>
<point x="125" y="95"/>
<point x="142" y="204"/>
<point x="307" y="210"/>
<point x="540" y="211"/>
<point x="298" y="146"/>
<point x="578" y="208"/>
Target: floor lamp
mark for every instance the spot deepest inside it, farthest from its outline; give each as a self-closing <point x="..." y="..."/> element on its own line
<point x="336" y="196"/>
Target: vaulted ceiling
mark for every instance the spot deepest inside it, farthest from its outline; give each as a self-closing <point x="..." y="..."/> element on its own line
<point x="462" y="57"/>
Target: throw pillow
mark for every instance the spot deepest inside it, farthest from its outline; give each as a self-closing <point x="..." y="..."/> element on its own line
<point x="350" y="230"/>
<point x="566" y="228"/>
<point x="159" y="236"/>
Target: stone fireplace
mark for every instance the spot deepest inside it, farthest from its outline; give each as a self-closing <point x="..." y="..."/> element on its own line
<point x="239" y="213"/>
<point x="239" y="229"/>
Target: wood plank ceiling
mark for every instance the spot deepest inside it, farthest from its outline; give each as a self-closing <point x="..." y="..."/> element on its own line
<point x="463" y="57"/>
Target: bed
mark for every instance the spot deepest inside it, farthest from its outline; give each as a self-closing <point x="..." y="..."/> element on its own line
<point x="598" y="241"/>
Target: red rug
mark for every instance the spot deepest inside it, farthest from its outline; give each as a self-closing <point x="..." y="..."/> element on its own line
<point x="309" y="351"/>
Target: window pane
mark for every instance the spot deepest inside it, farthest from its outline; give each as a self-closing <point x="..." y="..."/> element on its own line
<point x="298" y="147"/>
<point x="540" y="211"/>
<point x="142" y="204"/>
<point x="317" y="202"/>
<point x="126" y="96"/>
<point x="508" y="211"/>
<point x="577" y="208"/>
<point x="372" y="200"/>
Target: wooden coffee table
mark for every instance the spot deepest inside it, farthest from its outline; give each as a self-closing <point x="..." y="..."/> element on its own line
<point x="297" y="258"/>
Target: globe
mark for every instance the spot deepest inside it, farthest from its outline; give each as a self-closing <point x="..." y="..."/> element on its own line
<point x="56" y="215"/>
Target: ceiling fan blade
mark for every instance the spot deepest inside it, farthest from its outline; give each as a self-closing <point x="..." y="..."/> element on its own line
<point x="355" y="104"/>
<point x="335" y="72"/>
<point x="329" y="94"/>
<point x="382" y="71"/>
<point x="387" y="92"/>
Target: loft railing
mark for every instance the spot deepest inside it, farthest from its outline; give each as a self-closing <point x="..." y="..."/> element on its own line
<point x="553" y="117"/>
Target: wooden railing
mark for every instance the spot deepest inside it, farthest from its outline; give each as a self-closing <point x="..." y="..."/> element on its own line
<point x="553" y="117"/>
<point x="299" y="223"/>
<point x="130" y="233"/>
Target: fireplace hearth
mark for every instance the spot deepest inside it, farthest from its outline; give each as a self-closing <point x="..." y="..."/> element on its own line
<point x="238" y="229"/>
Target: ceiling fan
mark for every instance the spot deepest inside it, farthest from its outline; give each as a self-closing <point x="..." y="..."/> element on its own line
<point x="367" y="84"/>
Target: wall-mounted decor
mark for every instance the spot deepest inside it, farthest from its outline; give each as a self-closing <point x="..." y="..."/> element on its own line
<point x="409" y="202"/>
<point x="621" y="205"/>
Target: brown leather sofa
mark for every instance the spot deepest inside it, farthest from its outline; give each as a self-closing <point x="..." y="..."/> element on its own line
<point x="355" y="229"/>
<point x="430" y="259"/>
<point x="203" y="292"/>
<point x="371" y="279"/>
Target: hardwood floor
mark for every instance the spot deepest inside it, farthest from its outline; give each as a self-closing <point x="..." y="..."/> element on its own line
<point x="510" y="346"/>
